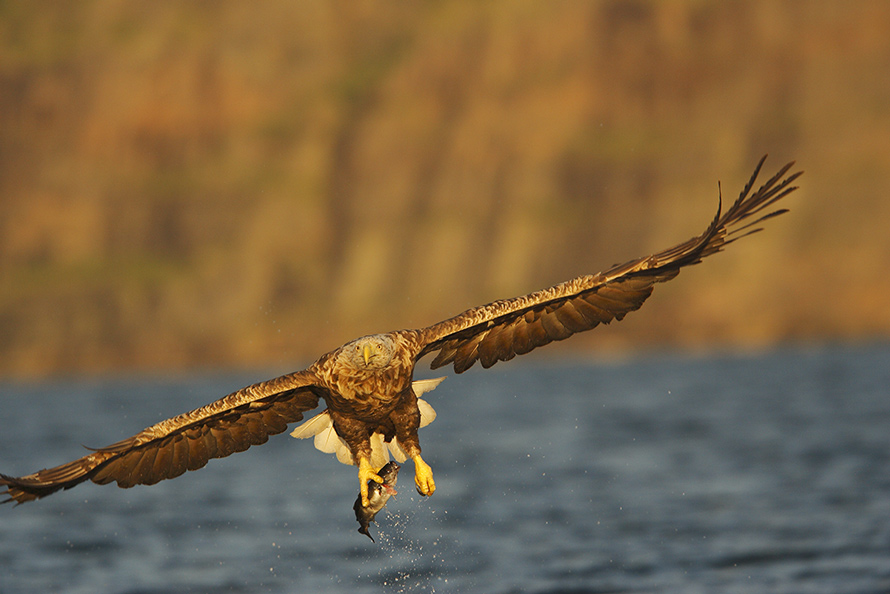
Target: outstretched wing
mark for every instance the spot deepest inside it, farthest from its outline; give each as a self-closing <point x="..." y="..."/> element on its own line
<point x="185" y="442"/>
<point x="503" y="329"/>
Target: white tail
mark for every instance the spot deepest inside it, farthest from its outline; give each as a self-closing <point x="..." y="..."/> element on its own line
<point x="321" y="427"/>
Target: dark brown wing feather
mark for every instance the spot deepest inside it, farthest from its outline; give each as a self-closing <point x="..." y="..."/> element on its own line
<point x="503" y="329"/>
<point x="185" y="442"/>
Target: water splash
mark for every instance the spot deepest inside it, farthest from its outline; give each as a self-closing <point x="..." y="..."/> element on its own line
<point x="416" y="564"/>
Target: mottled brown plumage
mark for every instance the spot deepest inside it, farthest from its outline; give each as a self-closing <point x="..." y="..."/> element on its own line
<point x="367" y="383"/>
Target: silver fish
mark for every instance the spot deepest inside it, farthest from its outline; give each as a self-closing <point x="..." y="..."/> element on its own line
<point x="378" y="495"/>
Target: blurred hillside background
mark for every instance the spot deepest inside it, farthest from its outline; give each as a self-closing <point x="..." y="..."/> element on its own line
<point x="252" y="184"/>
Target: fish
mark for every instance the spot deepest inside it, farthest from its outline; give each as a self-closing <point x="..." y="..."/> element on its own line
<point x="378" y="495"/>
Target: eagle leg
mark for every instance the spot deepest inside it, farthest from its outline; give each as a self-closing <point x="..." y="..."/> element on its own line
<point x="367" y="473"/>
<point x="423" y="476"/>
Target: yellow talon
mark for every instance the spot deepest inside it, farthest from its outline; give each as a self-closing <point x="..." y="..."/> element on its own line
<point x="367" y="473"/>
<point x="423" y="477"/>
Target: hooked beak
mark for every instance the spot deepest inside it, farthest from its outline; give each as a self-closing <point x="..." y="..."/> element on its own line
<point x="366" y="353"/>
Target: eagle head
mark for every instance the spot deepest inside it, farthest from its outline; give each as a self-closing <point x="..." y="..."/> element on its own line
<point x="371" y="352"/>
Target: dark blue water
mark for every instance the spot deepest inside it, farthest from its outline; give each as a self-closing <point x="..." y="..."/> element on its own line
<point x="767" y="473"/>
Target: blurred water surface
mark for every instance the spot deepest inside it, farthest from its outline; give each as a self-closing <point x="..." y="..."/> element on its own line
<point x="755" y="473"/>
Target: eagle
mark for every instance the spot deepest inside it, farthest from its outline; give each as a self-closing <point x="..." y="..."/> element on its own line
<point x="372" y="400"/>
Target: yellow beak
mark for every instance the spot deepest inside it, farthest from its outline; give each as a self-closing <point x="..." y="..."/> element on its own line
<point x="366" y="353"/>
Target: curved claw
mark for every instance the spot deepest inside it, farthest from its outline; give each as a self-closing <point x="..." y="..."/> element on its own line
<point x="423" y="477"/>
<point x="366" y="473"/>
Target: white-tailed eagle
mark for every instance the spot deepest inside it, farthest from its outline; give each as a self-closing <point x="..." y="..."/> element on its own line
<point x="366" y="384"/>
